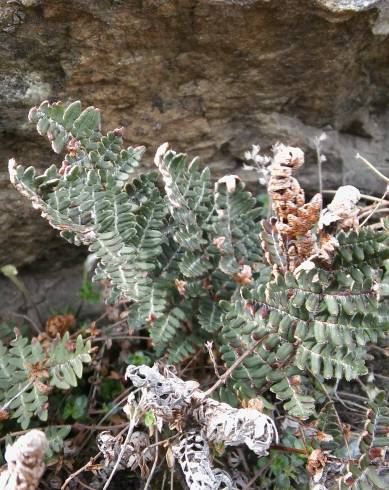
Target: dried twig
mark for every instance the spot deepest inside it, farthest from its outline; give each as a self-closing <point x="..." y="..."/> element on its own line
<point x="129" y="432"/>
<point x="134" y="421"/>
<point x="30" y="320"/>
<point x="376" y="207"/>
<point x="209" y="346"/>
<point x="148" y="482"/>
<point x="20" y="392"/>
<point x="367" y="197"/>
<point x="223" y="378"/>
<point x="372" y="167"/>
<point x="320" y="158"/>
<point x="182" y="404"/>
<point x="80" y="470"/>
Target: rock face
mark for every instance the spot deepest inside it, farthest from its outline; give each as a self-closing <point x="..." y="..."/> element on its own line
<point x="212" y="77"/>
<point x="50" y="293"/>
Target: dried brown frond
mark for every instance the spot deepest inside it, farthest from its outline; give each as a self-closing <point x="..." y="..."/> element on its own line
<point x="316" y="462"/>
<point x="244" y="276"/>
<point x="305" y="233"/>
<point x="59" y="324"/>
<point x="181" y="286"/>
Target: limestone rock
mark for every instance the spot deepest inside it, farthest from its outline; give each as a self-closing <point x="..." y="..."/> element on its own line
<point x="212" y="77"/>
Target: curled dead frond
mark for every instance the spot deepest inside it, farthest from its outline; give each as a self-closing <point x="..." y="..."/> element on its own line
<point x="25" y="462"/>
<point x="136" y="453"/>
<point x="166" y="394"/>
<point x="192" y="454"/>
<point x="222" y="423"/>
<point x="201" y="420"/>
<point x="59" y="324"/>
<point x="343" y="209"/>
<point x="340" y="214"/>
<point x="294" y="217"/>
<point x="301" y="234"/>
<point x="285" y="191"/>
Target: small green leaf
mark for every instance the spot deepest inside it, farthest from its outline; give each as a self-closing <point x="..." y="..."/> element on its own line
<point x="88" y="120"/>
<point x="71" y="114"/>
<point x="89" y="294"/>
<point x="110" y="389"/>
<point x="149" y="419"/>
<point x="332" y="305"/>
<point x="75" y="407"/>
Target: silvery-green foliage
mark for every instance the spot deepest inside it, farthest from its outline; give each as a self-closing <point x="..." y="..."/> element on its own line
<point x="186" y="253"/>
<point x="148" y="239"/>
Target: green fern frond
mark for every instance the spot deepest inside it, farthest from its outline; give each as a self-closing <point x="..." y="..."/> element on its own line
<point x="165" y="328"/>
<point x="189" y="194"/>
<point x="27" y="374"/>
<point x="183" y="346"/>
<point x="375" y="434"/>
<point x="236" y="223"/>
<point x="66" y="361"/>
<point x="209" y="316"/>
<point x="193" y="265"/>
<point x="330" y="362"/>
<point x="363" y="476"/>
<point x="289" y="387"/>
<point x="328" y="423"/>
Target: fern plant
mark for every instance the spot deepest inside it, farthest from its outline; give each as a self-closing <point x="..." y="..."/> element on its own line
<point x="186" y="252"/>
<point x="28" y="373"/>
<point x="319" y="322"/>
<point x="291" y="301"/>
<point x="174" y="251"/>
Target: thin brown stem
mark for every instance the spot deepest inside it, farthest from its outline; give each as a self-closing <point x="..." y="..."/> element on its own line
<point x="209" y="346"/>
<point x="191" y="361"/>
<point x="115" y="404"/>
<point x="80" y="470"/>
<point x="256" y="476"/>
<point x="159" y="443"/>
<point x="286" y="449"/>
<point x="319" y="159"/>
<point x="325" y="391"/>
<point x="148" y="482"/>
<point x="243" y="459"/>
<point x="30" y="320"/>
<point x="120" y="337"/>
<point x="84" y="485"/>
<point x="223" y="378"/>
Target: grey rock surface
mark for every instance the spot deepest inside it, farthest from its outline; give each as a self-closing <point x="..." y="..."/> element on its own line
<point x="52" y="292"/>
<point x="212" y="77"/>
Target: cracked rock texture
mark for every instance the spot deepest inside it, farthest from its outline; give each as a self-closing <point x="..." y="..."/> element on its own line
<point x="50" y="293"/>
<point x="212" y="77"/>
